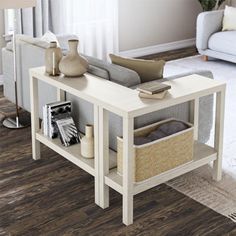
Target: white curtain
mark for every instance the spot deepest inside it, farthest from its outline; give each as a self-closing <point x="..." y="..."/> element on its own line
<point x="95" y="22"/>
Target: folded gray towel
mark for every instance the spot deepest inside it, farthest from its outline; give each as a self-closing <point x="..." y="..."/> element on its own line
<point x="141" y="140"/>
<point x="155" y="135"/>
<point x="162" y="131"/>
<point x="172" y="127"/>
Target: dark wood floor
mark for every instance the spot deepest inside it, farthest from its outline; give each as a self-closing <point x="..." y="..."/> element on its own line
<point x="173" y="55"/>
<point x="54" y="197"/>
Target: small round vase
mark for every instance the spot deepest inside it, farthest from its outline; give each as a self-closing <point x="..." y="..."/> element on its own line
<point x="53" y="56"/>
<point x="87" y="143"/>
<point x="73" y="65"/>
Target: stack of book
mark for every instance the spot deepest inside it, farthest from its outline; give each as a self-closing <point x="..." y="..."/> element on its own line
<point x="58" y="122"/>
<point x="153" y="90"/>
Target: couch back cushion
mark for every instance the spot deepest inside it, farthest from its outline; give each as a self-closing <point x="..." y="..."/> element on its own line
<point x="229" y="21"/>
<point x="148" y="70"/>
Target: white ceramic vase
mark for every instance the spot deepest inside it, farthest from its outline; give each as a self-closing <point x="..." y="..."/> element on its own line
<point x="73" y="65"/>
<point x="87" y="143"/>
<point x="53" y="56"/>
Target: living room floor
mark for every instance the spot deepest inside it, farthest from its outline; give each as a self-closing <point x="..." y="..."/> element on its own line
<point x="54" y="197"/>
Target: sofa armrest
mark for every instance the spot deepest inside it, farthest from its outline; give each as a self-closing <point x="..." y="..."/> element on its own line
<point x="205" y="73"/>
<point x="63" y="40"/>
<point x="117" y="74"/>
<point x="208" y="23"/>
<point x="123" y="76"/>
<point x="98" y="72"/>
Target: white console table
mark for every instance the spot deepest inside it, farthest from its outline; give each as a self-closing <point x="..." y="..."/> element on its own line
<point x="110" y="97"/>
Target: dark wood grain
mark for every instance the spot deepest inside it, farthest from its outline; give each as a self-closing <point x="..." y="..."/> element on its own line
<point x="54" y="197"/>
<point x="172" y="55"/>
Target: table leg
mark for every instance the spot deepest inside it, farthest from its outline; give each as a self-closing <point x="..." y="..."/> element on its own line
<point x="128" y="170"/>
<point x="194" y="116"/>
<point x="34" y="117"/>
<point x="103" y="157"/>
<point x="219" y="132"/>
<point x="61" y="96"/>
<point x="96" y="154"/>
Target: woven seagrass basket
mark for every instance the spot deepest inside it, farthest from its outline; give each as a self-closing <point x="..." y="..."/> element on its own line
<point x="156" y="157"/>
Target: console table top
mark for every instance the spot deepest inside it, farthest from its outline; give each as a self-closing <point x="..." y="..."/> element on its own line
<point x="125" y="101"/>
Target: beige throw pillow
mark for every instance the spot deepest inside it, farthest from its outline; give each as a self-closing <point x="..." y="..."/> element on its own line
<point x="229" y="21"/>
<point x="148" y="70"/>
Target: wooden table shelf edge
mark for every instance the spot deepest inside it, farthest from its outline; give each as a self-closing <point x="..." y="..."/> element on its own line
<point x="203" y="154"/>
<point x="72" y="153"/>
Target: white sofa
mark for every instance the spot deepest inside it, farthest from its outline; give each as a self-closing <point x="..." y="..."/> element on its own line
<point x="211" y="40"/>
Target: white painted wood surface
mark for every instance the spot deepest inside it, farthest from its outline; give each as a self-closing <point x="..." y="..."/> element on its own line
<point x="194" y="116"/>
<point x="103" y="157"/>
<point x="34" y="118"/>
<point x="110" y="97"/>
<point x="125" y="101"/>
<point x="96" y="154"/>
<point x="72" y="153"/>
<point x="61" y="96"/>
<point x="203" y="155"/>
<point x="219" y="134"/>
<point x="128" y="169"/>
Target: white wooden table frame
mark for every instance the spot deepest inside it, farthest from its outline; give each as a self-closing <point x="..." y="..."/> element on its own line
<point x="110" y="97"/>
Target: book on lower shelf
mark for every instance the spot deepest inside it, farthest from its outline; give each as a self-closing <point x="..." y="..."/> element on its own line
<point x="51" y="112"/>
<point x="68" y="132"/>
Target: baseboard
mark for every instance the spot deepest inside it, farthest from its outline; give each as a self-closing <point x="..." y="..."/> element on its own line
<point x="159" y="48"/>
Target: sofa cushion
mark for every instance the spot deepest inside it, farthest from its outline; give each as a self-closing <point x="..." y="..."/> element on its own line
<point x="229" y="21"/>
<point x="148" y="70"/>
<point x="223" y="42"/>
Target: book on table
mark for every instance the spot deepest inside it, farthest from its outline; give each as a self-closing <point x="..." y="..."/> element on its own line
<point x="153" y="96"/>
<point x="153" y="87"/>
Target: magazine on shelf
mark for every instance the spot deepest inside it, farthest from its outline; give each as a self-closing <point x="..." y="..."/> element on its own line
<point x="53" y="112"/>
<point x="68" y="132"/>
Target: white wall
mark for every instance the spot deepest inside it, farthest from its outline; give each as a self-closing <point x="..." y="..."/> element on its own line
<point x="144" y="23"/>
<point x="2" y="43"/>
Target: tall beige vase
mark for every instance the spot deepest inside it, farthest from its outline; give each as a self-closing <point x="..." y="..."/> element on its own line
<point x="87" y="143"/>
<point x="73" y="65"/>
<point x="53" y="56"/>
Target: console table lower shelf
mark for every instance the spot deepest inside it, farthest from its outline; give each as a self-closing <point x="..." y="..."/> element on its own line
<point x="203" y="154"/>
<point x="72" y="153"/>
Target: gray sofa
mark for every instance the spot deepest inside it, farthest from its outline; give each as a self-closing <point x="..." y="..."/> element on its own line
<point x="31" y="54"/>
<point x="211" y="41"/>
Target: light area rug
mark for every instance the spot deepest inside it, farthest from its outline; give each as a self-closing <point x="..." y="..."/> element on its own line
<point x="198" y="184"/>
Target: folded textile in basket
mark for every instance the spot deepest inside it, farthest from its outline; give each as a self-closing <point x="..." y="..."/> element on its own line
<point x="162" y="131"/>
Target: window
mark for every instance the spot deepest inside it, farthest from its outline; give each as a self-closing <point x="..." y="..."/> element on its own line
<point x="9" y="21"/>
